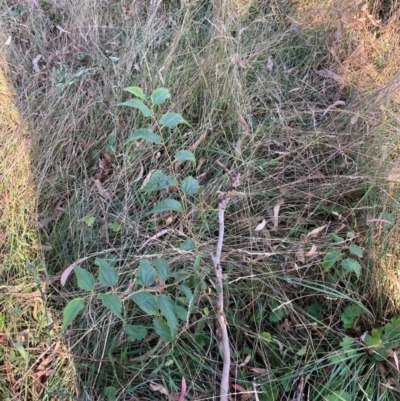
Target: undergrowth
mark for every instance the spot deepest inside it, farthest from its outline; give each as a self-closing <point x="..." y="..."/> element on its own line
<point x="298" y="100"/>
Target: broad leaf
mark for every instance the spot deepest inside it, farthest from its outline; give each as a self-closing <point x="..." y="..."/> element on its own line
<point x="187" y="291"/>
<point x="135" y="90"/>
<point x="315" y="313"/>
<point x="185" y="155"/>
<point x="85" y="279"/>
<point x="373" y="340"/>
<point x="190" y="185"/>
<point x="88" y="220"/>
<point x="71" y="311"/>
<point x="146" y="302"/>
<point x="162" y="268"/>
<point x="144" y="133"/>
<point x="181" y="312"/>
<point x="331" y="258"/>
<point x="336" y="238"/>
<point x="167" y="308"/>
<point x="138" y="104"/>
<point x="351" y="265"/>
<point x="167" y="205"/>
<point x="112" y="302"/>
<point x="136" y="331"/>
<point x="187" y="245"/>
<point x="158" y="181"/>
<point x="172" y="120"/>
<point x="278" y="313"/>
<point x="108" y="275"/>
<point x="162" y="329"/>
<point x="350" y="313"/>
<point x="146" y="273"/>
<point x="160" y="95"/>
<point x="114" y="227"/>
<point x="340" y="395"/>
<point x="356" y="250"/>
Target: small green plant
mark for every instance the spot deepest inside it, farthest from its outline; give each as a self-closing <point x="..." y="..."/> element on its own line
<point x="165" y="309"/>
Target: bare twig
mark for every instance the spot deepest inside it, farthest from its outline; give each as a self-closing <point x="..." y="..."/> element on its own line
<point x="226" y="352"/>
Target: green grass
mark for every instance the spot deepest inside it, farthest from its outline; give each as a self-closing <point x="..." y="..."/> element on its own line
<point x="248" y="83"/>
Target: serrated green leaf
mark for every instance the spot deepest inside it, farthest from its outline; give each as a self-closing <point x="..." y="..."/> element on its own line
<point x="114" y="227"/>
<point x="108" y="275"/>
<point x="331" y="258"/>
<point x="162" y="268"/>
<point x="167" y="205"/>
<point x="336" y="238"/>
<point x="162" y="329"/>
<point x="144" y="133"/>
<point x="167" y="309"/>
<point x="147" y="302"/>
<point x="315" y="313"/>
<point x="88" y="220"/>
<point x="146" y="273"/>
<point x="136" y="331"/>
<point x="135" y="90"/>
<point x="190" y="185"/>
<point x="158" y="181"/>
<point x="356" y="250"/>
<point x="278" y="313"/>
<point x="350" y="313"/>
<point x="71" y="311"/>
<point x="181" y="312"/>
<point x="138" y="104"/>
<point x="160" y="95"/>
<point x="112" y="302"/>
<point x="351" y="265"/>
<point x="172" y="120"/>
<point x="373" y="340"/>
<point x="187" y="245"/>
<point x="185" y="155"/>
<point x="85" y="279"/>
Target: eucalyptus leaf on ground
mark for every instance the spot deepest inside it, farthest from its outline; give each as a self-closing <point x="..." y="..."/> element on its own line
<point x="71" y="311"/>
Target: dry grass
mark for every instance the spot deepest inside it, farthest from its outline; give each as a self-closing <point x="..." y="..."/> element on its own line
<point x="300" y="102"/>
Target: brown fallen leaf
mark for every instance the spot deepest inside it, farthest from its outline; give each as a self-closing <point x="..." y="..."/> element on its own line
<point x="238" y="147"/>
<point x="354" y="119"/>
<point x="260" y="371"/>
<point x="245" y="362"/>
<point x="140" y="175"/>
<point x="270" y="64"/>
<point x="199" y="141"/>
<point x="300" y="256"/>
<point x="147" y="179"/>
<point x="337" y="103"/>
<point x="312" y="252"/>
<point x="316" y="231"/>
<point x="261" y="225"/>
<point x="159" y="388"/>
<point x="35" y="62"/>
<point x="330" y="74"/>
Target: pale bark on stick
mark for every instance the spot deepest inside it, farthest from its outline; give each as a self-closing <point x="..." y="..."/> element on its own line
<point x="226" y="352"/>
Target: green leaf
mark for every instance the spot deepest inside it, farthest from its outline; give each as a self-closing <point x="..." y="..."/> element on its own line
<point x="112" y="138"/>
<point x="167" y="308"/>
<point x="138" y="104"/>
<point x="184" y="155"/>
<point x="346" y="344"/>
<point x="172" y="120"/>
<point x="187" y="291"/>
<point x="187" y="245"/>
<point x="112" y="302"/>
<point x="136" y="331"/>
<point x="374" y="340"/>
<point x="356" y="250"/>
<point x="85" y="279"/>
<point x="144" y="133"/>
<point x="20" y="348"/>
<point x="158" y="181"/>
<point x="108" y="275"/>
<point x="167" y="205"/>
<point x="160" y="95"/>
<point x="278" y="313"/>
<point x="340" y="395"/>
<point x="162" y="329"/>
<point x="331" y="258"/>
<point x="350" y="235"/>
<point x="350" y="313"/>
<point x="135" y="90"/>
<point x="110" y="393"/>
<point x="392" y="330"/>
<point x="351" y="265"/>
<point x="181" y="312"/>
<point x="336" y="238"/>
<point x="88" y="220"/>
<point x="146" y="273"/>
<point x="315" y="313"/>
<point x="162" y="268"/>
<point x="190" y="185"/>
<point x="114" y="227"/>
<point x="71" y="311"/>
<point x="147" y="302"/>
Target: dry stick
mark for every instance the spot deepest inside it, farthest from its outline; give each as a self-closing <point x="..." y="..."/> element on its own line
<point x="226" y="352"/>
